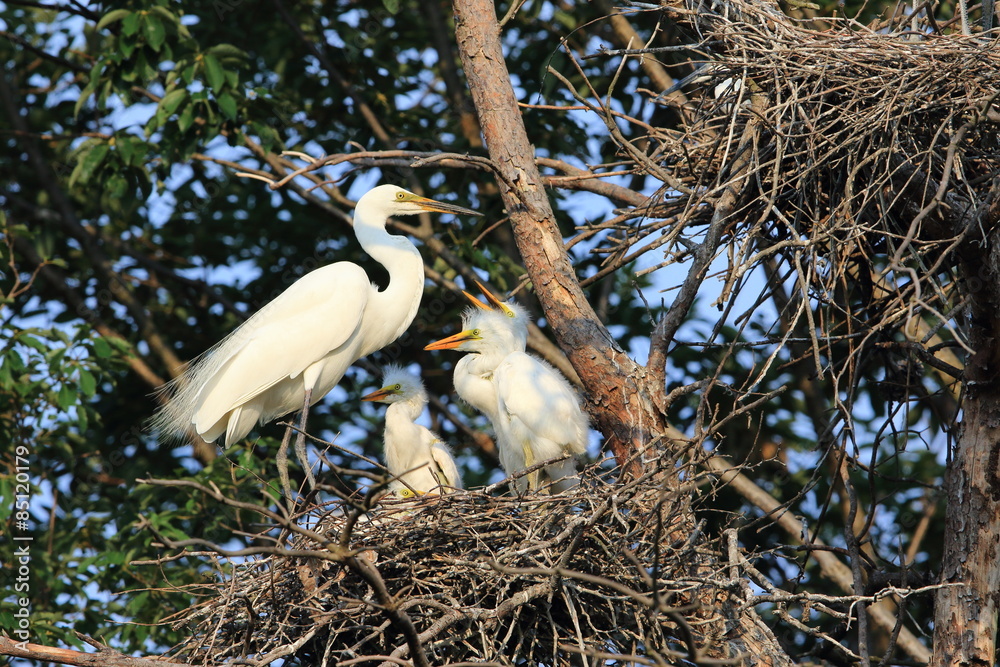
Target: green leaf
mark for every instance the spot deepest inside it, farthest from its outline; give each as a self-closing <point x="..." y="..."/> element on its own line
<point x="130" y="25"/>
<point x="155" y="32"/>
<point x="6" y="379"/>
<point x="102" y="97"/>
<point x="165" y="13"/>
<point x="88" y="383"/>
<point x="94" y="159"/>
<point x="268" y="136"/>
<point x="121" y="345"/>
<point x="66" y="397"/>
<point x="112" y="17"/>
<point x="186" y="118"/>
<point x="214" y="73"/>
<point x="125" y="148"/>
<point x="55" y="357"/>
<point x="172" y="100"/>
<point x="85" y="94"/>
<point x="33" y="342"/>
<point x="127" y="47"/>
<point x="88" y="162"/>
<point x="227" y="51"/>
<point x="115" y="186"/>
<point x="228" y="105"/>
<point x="102" y="348"/>
<point x="391" y="6"/>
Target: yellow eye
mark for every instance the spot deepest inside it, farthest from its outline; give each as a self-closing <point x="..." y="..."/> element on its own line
<point x="400" y="195"/>
<point x="475" y="332"/>
<point x="397" y="387"/>
<point x="406" y="493"/>
<point x="510" y="313"/>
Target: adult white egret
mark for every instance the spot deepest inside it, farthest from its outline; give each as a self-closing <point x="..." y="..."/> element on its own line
<point x="294" y="350"/>
<point x="414" y="455"/>
<point x="534" y="410"/>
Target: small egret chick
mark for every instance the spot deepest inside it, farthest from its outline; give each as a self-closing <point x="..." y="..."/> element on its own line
<point x="539" y="418"/>
<point x="534" y="410"/>
<point x="473" y="375"/>
<point x="414" y="455"/>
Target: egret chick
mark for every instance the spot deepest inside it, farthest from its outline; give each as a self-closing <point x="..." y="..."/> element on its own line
<point x="414" y="455"/>
<point x="534" y="410"/>
<point x="294" y="350"/>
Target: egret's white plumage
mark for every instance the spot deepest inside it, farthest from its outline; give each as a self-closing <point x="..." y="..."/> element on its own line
<point x="414" y="454"/>
<point x="534" y="410"/>
<point x="539" y="417"/>
<point x="295" y="349"/>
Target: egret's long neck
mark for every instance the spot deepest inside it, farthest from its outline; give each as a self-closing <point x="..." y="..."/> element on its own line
<point x="396" y="305"/>
<point x="402" y="435"/>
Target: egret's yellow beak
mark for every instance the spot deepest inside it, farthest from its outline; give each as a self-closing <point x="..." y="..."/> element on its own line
<point x="451" y="342"/>
<point x="476" y="302"/>
<point x="442" y="207"/>
<point x="381" y="394"/>
<point x="494" y="301"/>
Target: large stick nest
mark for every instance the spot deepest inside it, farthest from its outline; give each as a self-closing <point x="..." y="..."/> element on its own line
<point x="599" y="570"/>
<point x="859" y="164"/>
<point x="847" y="129"/>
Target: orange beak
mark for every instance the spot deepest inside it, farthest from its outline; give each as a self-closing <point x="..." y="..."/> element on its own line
<point x="475" y="302"/>
<point x="378" y="394"/>
<point x="451" y="342"/>
<point x="494" y="301"/>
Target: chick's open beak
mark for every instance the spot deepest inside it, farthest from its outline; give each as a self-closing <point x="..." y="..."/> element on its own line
<point x="494" y="301"/>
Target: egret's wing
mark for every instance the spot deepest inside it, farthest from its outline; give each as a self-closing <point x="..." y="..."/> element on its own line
<point x="319" y="313"/>
<point x="442" y="457"/>
<point x="540" y="397"/>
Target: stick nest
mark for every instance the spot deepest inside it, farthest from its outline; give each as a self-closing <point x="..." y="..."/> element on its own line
<point x="844" y="126"/>
<point x="467" y="577"/>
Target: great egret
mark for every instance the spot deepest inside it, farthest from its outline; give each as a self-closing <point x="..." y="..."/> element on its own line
<point x="414" y="454"/>
<point x="534" y="410"/>
<point x="295" y="349"/>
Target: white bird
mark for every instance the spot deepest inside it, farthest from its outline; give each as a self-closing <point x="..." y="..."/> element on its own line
<point x="534" y="410"/>
<point x="294" y="350"/>
<point x="473" y="377"/>
<point x="414" y="455"/>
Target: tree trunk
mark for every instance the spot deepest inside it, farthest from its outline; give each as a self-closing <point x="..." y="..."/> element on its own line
<point x="965" y="616"/>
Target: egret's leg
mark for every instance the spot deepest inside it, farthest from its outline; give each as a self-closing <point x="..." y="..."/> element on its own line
<point x="300" y="441"/>
<point x="281" y="460"/>
<point x="529" y="460"/>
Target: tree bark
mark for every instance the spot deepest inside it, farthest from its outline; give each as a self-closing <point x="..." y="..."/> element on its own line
<point x="620" y="399"/>
<point x="965" y="617"/>
<point x="103" y="657"/>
